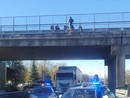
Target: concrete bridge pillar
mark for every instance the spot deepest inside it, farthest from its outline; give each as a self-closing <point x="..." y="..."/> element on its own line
<point x="120" y="70"/>
<point x="116" y="72"/>
<point x="112" y="74"/>
<point x="2" y="75"/>
<point x="116" y="68"/>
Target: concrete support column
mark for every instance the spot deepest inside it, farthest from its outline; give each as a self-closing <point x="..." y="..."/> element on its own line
<point x="119" y="52"/>
<point x="112" y="74"/>
<point x="120" y="70"/>
<point x="2" y="75"/>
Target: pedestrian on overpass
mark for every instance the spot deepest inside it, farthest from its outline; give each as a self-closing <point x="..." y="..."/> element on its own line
<point x="52" y="28"/>
<point x="57" y="28"/>
<point x="71" y="20"/>
<point x="71" y="29"/>
<point x="65" y="28"/>
<point x="80" y="28"/>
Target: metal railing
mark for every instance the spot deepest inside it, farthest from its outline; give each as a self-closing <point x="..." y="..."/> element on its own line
<point x="87" y="21"/>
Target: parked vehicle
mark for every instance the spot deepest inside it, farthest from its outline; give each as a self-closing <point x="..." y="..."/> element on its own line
<point x="66" y="77"/>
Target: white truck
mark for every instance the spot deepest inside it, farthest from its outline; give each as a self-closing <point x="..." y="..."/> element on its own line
<point x="66" y="77"/>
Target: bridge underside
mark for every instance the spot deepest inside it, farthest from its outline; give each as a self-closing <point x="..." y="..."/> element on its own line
<point x="54" y="52"/>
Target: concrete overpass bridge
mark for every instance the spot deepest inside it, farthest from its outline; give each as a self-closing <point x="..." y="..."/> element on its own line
<point x="104" y="36"/>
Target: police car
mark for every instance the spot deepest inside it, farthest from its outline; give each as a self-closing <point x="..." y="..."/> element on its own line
<point x="43" y="91"/>
<point x="91" y="91"/>
<point x="107" y="93"/>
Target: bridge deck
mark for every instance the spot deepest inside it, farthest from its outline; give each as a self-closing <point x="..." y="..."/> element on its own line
<point x="100" y="32"/>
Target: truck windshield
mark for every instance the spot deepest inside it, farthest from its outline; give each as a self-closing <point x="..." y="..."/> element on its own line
<point x="64" y="76"/>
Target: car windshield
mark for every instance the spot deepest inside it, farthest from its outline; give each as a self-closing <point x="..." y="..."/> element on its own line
<point x="42" y="90"/>
<point x="79" y="93"/>
<point x="64" y="76"/>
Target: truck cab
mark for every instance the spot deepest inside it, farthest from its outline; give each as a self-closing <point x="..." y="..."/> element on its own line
<point x="66" y="77"/>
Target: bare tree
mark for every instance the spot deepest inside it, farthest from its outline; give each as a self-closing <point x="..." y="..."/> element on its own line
<point x="85" y="78"/>
<point x="127" y="77"/>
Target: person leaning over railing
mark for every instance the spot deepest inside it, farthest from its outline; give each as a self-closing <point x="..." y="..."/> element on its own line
<point x="80" y="28"/>
<point x="66" y="28"/>
<point x="52" y="28"/>
<point x="57" y="28"/>
<point x="71" y="30"/>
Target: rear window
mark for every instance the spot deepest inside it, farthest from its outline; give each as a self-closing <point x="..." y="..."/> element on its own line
<point x="80" y="93"/>
<point x="90" y="93"/>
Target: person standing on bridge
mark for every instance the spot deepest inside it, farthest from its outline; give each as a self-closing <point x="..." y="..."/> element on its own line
<point x="71" y="27"/>
<point x="65" y="28"/>
<point x="80" y="28"/>
<point x="71" y="22"/>
<point x="57" y="28"/>
<point x="52" y="28"/>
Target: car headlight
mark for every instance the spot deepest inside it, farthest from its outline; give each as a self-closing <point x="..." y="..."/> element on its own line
<point x="105" y="96"/>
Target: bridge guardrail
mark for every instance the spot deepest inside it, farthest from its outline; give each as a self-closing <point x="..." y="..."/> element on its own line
<point x="85" y="25"/>
<point x="87" y="20"/>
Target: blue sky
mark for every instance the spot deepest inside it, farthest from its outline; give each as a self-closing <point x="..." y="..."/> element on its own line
<point x="90" y="66"/>
<point x="49" y="7"/>
<point x="54" y="7"/>
<point x="86" y="66"/>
